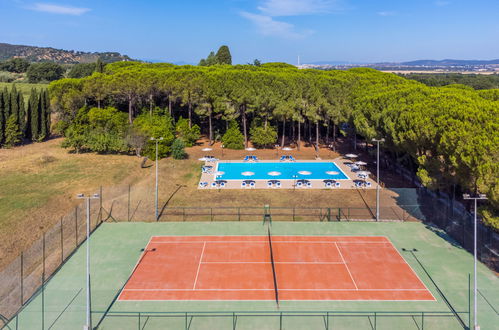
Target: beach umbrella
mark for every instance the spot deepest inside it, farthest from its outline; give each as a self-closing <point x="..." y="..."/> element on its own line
<point x="247" y="173"/>
<point x="360" y="163"/>
<point x="304" y="172"/>
<point x="332" y="172"/>
<point x="207" y="149"/>
<point x="202" y="159"/>
<point x="351" y="156"/>
<point x="287" y="149"/>
<point x="274" y="173"/>
<point x="250" y="149"/>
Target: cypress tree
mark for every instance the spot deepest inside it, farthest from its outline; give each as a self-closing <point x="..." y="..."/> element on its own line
<point x="42" y="113"/>
<point x="14" y="104"/>
<point x="29" y="113"/>
<point x="2" y="118"/>
<point x="12" y="132"/>
<point x="6" y="102"/>
<point x="35" y="117"/>
<point x="22" y="112"/>
<point x="47" y="113"/>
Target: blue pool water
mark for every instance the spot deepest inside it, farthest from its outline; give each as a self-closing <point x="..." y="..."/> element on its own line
<point x="287" y="170"/>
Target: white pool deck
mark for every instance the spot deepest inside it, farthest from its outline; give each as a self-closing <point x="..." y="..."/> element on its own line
<point x="288" y="184"/>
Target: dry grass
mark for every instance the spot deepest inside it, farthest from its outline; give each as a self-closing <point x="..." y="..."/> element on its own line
<point x="39" y="182"/>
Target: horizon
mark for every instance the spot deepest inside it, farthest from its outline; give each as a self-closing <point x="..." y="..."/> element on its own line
<point x="268" y="30"/>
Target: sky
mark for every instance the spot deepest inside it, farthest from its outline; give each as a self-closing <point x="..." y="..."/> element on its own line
<point x="351" y="31"/>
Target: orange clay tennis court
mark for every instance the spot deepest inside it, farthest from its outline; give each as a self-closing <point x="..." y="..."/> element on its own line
<point x="240" y="268"/>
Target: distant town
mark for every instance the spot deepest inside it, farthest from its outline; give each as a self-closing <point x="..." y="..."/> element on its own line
<point x="420" y="66"/>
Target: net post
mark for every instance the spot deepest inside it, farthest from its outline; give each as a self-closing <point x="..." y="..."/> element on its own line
<point x="280" y="321"/>
<point x="422" y="320"/>
<point x="128" y="204"/>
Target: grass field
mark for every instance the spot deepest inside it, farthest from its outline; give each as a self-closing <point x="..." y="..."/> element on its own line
<point x="116" y="247"/>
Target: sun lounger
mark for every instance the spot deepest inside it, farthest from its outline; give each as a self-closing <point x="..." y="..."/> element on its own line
<point x="309" y="184"/>
<point x="328" y="184"/>
<point x="244" y="184"/>
<point x="213" y="184"/>
<point x="203" y="184"/>
<point x="368" y="184"/>
<point x="291" y="159"/>
<point x="270" y="184"/>
<point x="278" y="184"/>
<point x="252" y="184"/>
<point x="222" y="184"/>
<point x="299" y="184"/>
<point x="337" y="184"/>
<point x="246" y="158"/>
<point x="255" y="159"/>
<point x="283" y="158"/>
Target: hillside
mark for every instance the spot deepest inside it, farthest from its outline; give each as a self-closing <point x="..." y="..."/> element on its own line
<point x="46" y="54"/>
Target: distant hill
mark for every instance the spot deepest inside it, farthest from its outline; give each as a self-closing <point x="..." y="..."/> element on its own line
<point x="449" y="62"/>
<point x="49" y="54"/>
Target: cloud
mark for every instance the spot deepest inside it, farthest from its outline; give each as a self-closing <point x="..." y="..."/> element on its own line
<point x="58" y="9"/>
<point x="387" y="13"/>
<point x="268" y="26"/>
<point x="442" y="3"/>
<point x="296" y="7"/>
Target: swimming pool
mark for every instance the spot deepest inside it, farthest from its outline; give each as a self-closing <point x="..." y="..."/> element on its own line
<point x="279" y="171"/>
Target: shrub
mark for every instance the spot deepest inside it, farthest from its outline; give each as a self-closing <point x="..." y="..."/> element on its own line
<point x="262" y="136"/>
<point x="12" y="132"/>
<point x="233" y="138"/>
<point x="189" y="135"/>
<point x="178" y="151"/>
<point x="155" y="125"/>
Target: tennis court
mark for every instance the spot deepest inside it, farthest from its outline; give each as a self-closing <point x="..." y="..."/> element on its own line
<point x="273" y="268"/>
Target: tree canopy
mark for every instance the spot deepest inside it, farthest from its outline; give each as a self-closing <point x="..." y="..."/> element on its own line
<point x="448" y="135"/>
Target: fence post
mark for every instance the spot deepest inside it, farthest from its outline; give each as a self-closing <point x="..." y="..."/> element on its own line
<point x="211" y="213"/>
<point x="293" y="214"/>
<point x="128" y="206"/>
<point x="327" y="320"/>
<point x="62" y="244"/>
<point x="22" y="278"/>
<point x="280" y="321"/>
<point x="76" y="226"/>
<point x="43" y="283"/>
<point x="233" y="321"/>
<point x="186" y="328"/>
<point x="239" y="214"/>
<point x="100" y="204"/>
<point x="183" y="213"/>
<point x="422" y="320"/>
<point x="139" y="320"/>
<point x="374" y="320"/>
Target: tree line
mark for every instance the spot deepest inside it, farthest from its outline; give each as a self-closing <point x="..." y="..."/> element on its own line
<point x="20" y="122"/>
<point x="447" y="135"/>
<point x="475" y="81"/>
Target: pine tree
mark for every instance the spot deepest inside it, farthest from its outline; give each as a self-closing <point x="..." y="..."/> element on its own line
<point x="99" y="66"/>
<point x="223" y="55"/>
<point x="35" y="117"/>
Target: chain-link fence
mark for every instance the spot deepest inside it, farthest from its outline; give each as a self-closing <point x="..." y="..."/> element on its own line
<point x="21" y="279"/>
<point x="24" y="276"/>
<point x="283" y="320"/>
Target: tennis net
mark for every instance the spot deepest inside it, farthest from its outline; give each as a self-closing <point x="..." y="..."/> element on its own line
<point x="273" y="267"/>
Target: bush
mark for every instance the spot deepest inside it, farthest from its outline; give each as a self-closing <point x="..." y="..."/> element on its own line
<point x="82" y="70"/>
<point x="178" y="151"/>
<point x="12" y="132"/>
<point x="189" y="135"/>
<point x="39" y="72"/>
<point x="262" y="136"/>
<point x="233" y="138"/>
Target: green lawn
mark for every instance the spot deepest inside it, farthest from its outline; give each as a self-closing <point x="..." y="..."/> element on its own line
<point x="115" y="249"/>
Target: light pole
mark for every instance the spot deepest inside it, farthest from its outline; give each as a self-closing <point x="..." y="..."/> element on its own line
<point x="277" y="150"/>
<point x="222" y="150"/>
<point x="88" y="325"/>
<point x="475" y="198"/>
<point x="156" y="195"/>
<point x="377" y="176"/>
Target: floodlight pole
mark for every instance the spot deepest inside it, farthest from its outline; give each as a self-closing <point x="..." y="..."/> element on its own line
<point x="88" y="325"/>
<point x="156" y="195"/>
<point x="377" y="176"/>
<point x="475" y="288"/>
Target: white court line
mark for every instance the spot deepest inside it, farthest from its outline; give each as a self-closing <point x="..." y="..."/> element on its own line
<point x="277" y="242"/>
<point x="276" y="262"/>
<point x="222" y="290"/>
<point x="199" y="266"/>
<point x="341" y="255"/>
